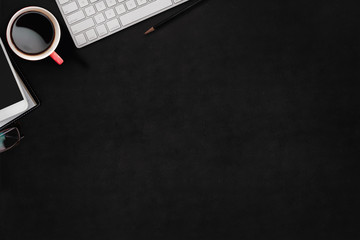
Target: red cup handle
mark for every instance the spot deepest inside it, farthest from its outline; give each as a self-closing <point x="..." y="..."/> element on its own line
<point x="57" y="58"/>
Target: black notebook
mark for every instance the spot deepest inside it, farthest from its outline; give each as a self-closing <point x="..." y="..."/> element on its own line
<point x="29" y="94"/>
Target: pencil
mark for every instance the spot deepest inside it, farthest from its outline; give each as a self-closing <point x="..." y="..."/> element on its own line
<point x="167" y="20"/>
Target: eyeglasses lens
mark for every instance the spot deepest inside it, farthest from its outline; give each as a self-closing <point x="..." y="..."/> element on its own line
<point x="8" y="139"/>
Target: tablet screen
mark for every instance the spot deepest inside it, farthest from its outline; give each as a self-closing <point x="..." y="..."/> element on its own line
<point x="9" y="91"/>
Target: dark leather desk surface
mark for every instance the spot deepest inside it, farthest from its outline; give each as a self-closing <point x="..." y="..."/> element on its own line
<point x="239" y="120"/>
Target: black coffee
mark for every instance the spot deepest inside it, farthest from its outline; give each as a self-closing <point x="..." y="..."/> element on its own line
<point x="32" y="33"/>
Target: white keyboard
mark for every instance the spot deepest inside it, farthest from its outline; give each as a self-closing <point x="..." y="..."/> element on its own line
<point x="91" y="20"/>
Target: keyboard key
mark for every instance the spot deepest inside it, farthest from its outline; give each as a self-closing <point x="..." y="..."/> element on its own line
<point x="113" y="25"/>
<point x="110" y="14"/>
<point x="77" y="16"/>
<point x="141" y="2"/>
<point x="99" y="18"/>
<point x="83" y="3"/>
<point x="70" y="8"/>
<point x="80" y="39"/>
<point x="101" y="29"/>
<point x="100" y="6"/>
<point x="144" y="11"/>
<point x="90" y="11"/>
<point x="79" y="27"/>
<point x="110" y="3"/>
<point x="130" y="4"/>
<point x="91" y="35"/>
<point x="63" y="1"/>
<point x="120" y="9"/>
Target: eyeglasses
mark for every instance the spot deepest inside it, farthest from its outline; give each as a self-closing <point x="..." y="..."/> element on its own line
<point x="9" y="138"/>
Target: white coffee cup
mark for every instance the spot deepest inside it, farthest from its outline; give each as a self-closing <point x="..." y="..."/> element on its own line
<point x="50" y="51"/>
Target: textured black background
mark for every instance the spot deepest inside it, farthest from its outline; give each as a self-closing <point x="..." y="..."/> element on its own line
<point x="239" y="120"/>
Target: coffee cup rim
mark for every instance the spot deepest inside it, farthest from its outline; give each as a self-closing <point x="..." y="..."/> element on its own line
<point x="57" y="34"/>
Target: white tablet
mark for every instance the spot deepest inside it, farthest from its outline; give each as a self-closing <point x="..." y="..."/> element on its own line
<point x="12" y="97"/>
